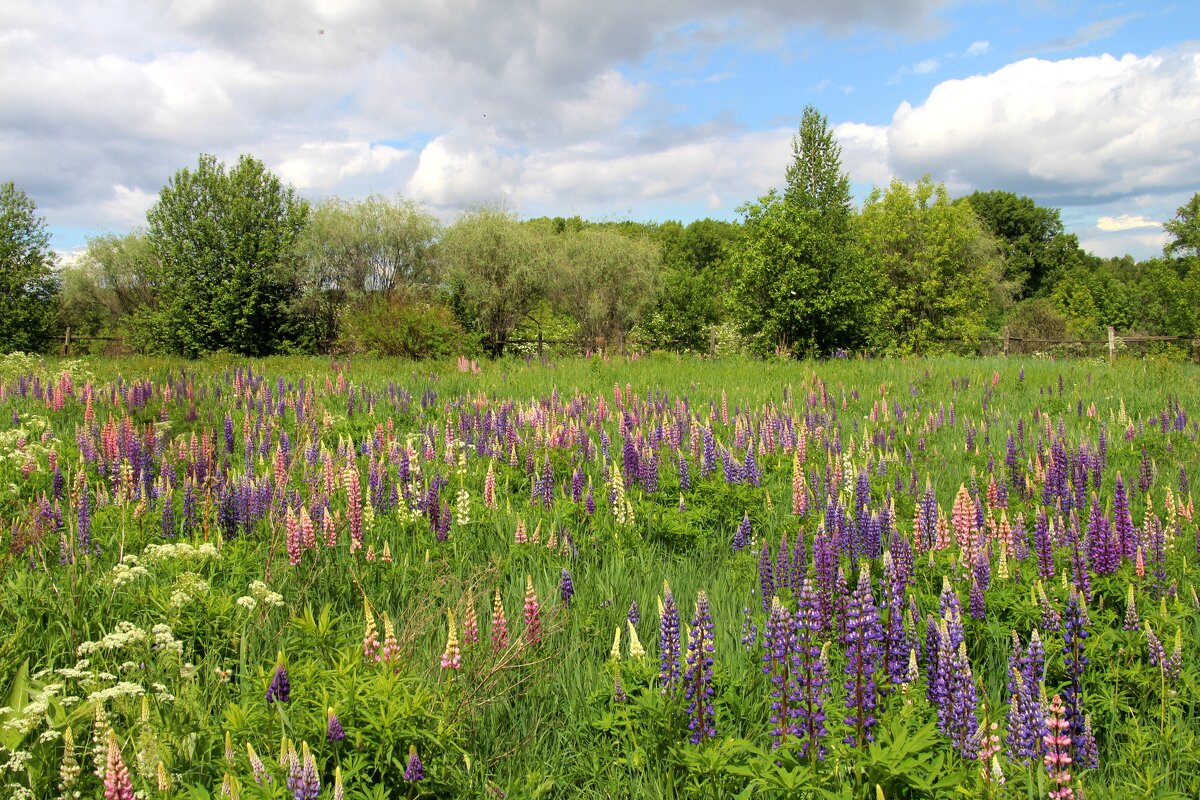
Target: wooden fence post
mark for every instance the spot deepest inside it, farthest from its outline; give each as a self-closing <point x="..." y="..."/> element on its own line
<point x="712" y="343"/>
<point x="1112" y="345"/>
<point x="67" y="343"/>
<point x="1006" y="342"/>
<point x="540" y="344"/>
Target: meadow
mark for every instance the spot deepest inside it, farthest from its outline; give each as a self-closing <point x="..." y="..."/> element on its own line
<point x="657" y="577"/>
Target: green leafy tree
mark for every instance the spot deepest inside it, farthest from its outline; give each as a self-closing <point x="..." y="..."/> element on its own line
<point x="798" y="285"/>
<point x="940" y="267"/>
<point x="222" y="239"/>
<point x="110" y="282"/>
<point x="28" y="284"/>
<point x="1035" y="248"/>
<point x="1184" y="230"/>
<point x="351" y="250"/>
<point x="692" y="291"/>
<point x="497" y="270"/>
<point x="605" y="280"/>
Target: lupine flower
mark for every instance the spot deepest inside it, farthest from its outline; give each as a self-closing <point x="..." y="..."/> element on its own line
<point x="1058" y="751"/>
<point x="698" y="688"/>
<point x="415" y="770"/>
<point x="303" y="781"/>
<point x="741" y="539"/>
<point x="256" y="766"/>
<point x="470" y="620"/>
<point x="861" y="639"/>
<point x="1074" y="633"/>
<point x="391" y="647"/>
<point x="1132" y="621"/>
<point x="668" y="641"/>
<point x="333" y="728"/>
<point x="1025" y="721"/>
<point x="292" y="528"/>
<point x="778" y="646"/>
<point x="811" y="666"/>
<point x="451" y="656"/>
<point x="566" y="588"/>
<point x="117" y="783"/>
<point x="533" y="622"/>
<point x="339" y="790"/>
<point x="635" y="614"/>
<point x="499" y="624"/>
<point x="635" y="644"/>
<point x="280" y="688"/>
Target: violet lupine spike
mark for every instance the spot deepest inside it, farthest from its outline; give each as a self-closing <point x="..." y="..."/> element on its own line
<point x="1074" y="661"/>
<point x="812" y="670"/>
<point x="860" y="639"/>
<point x="897" y="641"/>
<point x="414" y="770"/>
<point x="1123" y="521"/>
<point x="280" y="688"/>
<point x="566" y="587"/>
<point x="766" y="576"/>
<point x="962" y="719"/>
<point x="635" y="614"/>
<point x="1026" y="723"/>
<point x="778" y="645"/>
<point x="741" y="538"/>
<point x="334" y="732"/>
<point x="698" y="679"/>
<point x="783" y="564"/>
<point x="668" y="642"/>
<point x="1043" y="546"/>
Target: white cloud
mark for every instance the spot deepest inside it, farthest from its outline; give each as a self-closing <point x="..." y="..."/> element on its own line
<point x="925" y="67"/>
<point x="978" y="48"/>
<point x="1079" y="131"/>
<point x="1126" y="222"/>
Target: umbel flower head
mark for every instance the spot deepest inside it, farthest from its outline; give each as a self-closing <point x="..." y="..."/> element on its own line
<point x="280" y="688"/>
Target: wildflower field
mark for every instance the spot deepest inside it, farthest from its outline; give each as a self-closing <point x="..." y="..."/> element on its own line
<point x="655" y="578"/>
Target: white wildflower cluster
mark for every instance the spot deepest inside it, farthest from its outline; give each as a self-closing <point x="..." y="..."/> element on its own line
<point x="188" y="586"/>
<point x="125" y="635"/>
<point x="128" y="571"/>
<point x="181" y="551"/>
<point x="259" y="593"/>
<point x="122" y="689"/>
<point x="17" y="792"/>
<point x="165" y="641"/>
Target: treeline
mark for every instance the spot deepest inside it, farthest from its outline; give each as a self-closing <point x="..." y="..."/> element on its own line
<point x="231" y="259"/>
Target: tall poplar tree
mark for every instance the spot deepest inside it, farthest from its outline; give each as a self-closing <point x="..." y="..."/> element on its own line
<point x="798" y="288"/>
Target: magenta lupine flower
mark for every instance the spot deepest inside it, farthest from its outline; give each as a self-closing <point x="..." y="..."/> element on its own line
<point x="861" y="639"/>
<point x="117" y="783"/>
<point x="355" y="510"/>
<point x="292" y="528"/>
<point x="668" y="642"/>
<point x="1058" y="752"/>
<point x="698" y="680"/>
<point x="809" y="663"/>
<point x="533" y="622"/>
<point x="414" y="771"/>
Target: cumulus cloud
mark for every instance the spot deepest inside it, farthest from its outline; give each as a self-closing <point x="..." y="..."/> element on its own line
<point x="1126" y="222"/>
<point x="1077" y="131"/>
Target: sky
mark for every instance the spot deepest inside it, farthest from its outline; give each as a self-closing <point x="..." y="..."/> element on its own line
<point x="627" y="109"/>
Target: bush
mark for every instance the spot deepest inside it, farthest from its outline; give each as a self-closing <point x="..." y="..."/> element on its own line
<point x="399" y="327"/>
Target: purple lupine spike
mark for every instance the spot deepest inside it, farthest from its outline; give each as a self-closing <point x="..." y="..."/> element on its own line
<point x="961" y="717"/>
<point x="825" y="565"/>
<point x="808" y="661"/>
<point x="414" y="770"/>
<point x="668" y="643"/>
<point x="685" y="478"/>
<point x="783" y="564"/>
<point x="1074" y="661"/>
<point x="1026" y="722"/>
<point x="1043" y="546"/>
<point x="741" y="538"/>
<point x="778" y="646"/>
<point x="897" y="642"/>
<point x="1079" y="569"/>
<point x="566" y="587"/>
<point x="1123" y="521"/>
<point x="861" y="639"/>
<point x="635" y="614"/>
<point x="280" y="688"/>
<point x="698" y="680"/>
<point x="750" y="468"/>
<point x="334" y="732"/>
<point x="766" y="576"/>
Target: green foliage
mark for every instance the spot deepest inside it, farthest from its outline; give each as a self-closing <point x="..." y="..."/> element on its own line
<point x="396" y="326"/>
<point x="28" y="285"/>
<point x="111" y="281"/>
<point x="938" y="267"/>
<point x="799" y="287"/>
<point x="1031" y="238"/>
<point x="1184" y="230"/>
<point x="497" y="270"/>
<point x="220" y="239"/>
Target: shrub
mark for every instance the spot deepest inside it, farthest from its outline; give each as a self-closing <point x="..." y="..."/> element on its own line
<point x="401" y="327"/>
